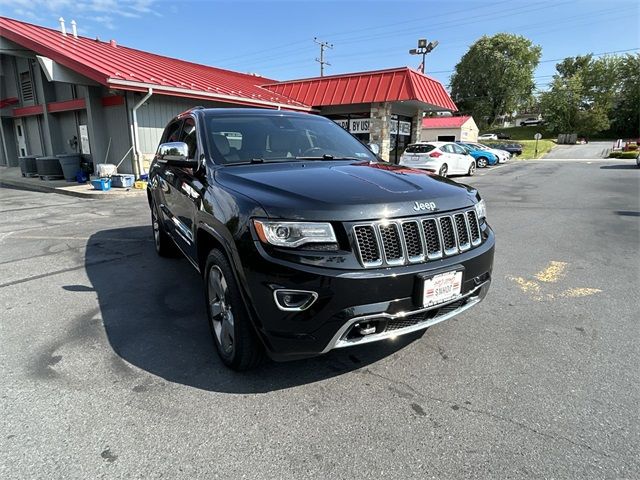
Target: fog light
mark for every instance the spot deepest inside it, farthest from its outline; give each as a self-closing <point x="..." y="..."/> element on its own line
<point x="294" y="300"/>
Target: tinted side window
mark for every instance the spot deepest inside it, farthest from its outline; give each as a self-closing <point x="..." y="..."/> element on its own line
<point x="188" y="136"/>
<point x="459" y="149"/>
<point x="172" y="132"/>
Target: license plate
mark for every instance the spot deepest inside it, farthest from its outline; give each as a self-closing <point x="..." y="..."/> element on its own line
<point x="441" y="288"/>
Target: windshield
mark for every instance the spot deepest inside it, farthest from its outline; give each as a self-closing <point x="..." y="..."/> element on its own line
<point x="419" y="148"/>
<point x="250" y="138"/>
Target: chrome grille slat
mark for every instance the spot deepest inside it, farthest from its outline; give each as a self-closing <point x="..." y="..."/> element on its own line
<point x="391" y="244"/>
<point x="415" y="240"/>
<point x="462" y="231"/>
<point x="474" y="227"/>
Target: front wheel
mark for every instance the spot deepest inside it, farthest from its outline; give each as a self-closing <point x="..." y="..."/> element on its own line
<point x="233" y="334"/>
<point x="472" y="169"/>
<point x="481" y="162"/>
<point x="443" y="170"/>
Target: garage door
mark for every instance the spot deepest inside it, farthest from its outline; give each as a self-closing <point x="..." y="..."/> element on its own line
<point x="446" y="138"/>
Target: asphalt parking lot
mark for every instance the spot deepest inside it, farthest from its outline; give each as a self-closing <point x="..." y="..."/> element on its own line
<point x="107" y="369"/>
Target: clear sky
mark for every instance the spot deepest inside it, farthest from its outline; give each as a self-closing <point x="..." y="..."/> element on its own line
<point x="275" y="38"/>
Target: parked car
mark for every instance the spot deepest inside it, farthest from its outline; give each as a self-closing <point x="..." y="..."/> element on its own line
<point x="488" y="136"/>
<point x="512" y="148"/>
<point x="638" y="160"/>
<point x="483" y="157"/>
<point x="305" y="241"/>
<point x="503" y="136"/>
<point x="443" y="158"/>
<point x="502" y="155"/>
<point x="531" y="121"/>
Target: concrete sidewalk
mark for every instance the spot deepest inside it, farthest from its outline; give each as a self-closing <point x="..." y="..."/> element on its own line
<point x="11" y="176"/>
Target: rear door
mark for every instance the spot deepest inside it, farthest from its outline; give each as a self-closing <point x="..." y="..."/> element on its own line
<point x="462" y="158"/>
<point x="452" y="160"/>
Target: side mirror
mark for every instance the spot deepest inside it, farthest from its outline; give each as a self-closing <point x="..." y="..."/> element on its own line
<point x="375" y="148"/>
<point x="176" y="154"/>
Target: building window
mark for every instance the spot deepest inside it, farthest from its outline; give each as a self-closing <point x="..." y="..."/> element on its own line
<point x="26" y="87"/>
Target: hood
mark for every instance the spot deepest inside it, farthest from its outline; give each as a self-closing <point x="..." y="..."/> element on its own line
<point x="343" y="191"/>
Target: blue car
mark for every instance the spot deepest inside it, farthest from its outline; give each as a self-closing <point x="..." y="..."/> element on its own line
<point x="483" y="157"/>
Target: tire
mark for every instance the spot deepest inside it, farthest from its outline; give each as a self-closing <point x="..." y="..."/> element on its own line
<point x="236" y="341"/>
<point x="443" y="170"/>
<point x="472" y="169"/>
<point x="163" y="243"/>
<point x="482" y="162"/>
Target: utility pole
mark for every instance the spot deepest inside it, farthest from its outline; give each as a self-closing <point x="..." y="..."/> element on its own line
<point x="424" y="47"/>
<point x="321" y="60"/>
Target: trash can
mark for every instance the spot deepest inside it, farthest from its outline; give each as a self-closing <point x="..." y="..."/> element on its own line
<point x="28" y="166"/>
<point x="70" y="163"/>
<point x="49" y="168"/>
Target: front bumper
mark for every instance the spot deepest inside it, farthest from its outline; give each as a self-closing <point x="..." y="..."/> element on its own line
<point x="385" y="297"/>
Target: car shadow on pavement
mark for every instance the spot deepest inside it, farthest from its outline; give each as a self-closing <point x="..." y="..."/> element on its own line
<point x="155" y="319"/>
<point x="624" y="166"/>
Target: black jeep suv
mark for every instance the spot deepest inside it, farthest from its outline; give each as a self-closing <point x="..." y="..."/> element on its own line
<point x="305" y="240"/>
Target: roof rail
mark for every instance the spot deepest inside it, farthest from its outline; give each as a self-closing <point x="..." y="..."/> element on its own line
<point x="199" y="107"/>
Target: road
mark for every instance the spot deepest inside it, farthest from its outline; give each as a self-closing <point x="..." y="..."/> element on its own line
<point x="591" y="150"/>
<point x="107" y="369"/>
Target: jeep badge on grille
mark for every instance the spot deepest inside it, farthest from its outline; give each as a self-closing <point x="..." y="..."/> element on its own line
<point x="418" y="206"/>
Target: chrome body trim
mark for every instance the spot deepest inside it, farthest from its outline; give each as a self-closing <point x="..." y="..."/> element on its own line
<point x="474" y="296"/>
<point x="305" y="306"/>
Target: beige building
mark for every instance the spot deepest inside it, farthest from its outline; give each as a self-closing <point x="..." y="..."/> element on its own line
<point x="449" y="129"/>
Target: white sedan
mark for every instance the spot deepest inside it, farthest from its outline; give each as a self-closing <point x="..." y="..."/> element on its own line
<point x="502" y="155"/>
<point x="443" y="158"/>
<point x="488" y="136"/>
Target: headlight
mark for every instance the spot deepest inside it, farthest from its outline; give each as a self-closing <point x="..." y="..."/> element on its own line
<point x="481" y="210"/>
<point x="294" y="234"/>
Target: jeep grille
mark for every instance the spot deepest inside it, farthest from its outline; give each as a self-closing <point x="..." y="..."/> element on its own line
<point x="415" y="240"/>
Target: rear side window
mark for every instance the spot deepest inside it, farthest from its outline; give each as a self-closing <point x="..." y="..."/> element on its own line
<point x="419" y="148"/>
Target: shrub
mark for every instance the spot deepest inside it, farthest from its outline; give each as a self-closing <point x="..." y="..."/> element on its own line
<point x="623" y="155"/>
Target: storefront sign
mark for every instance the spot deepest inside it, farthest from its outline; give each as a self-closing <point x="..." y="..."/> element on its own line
<point x="359" y="125"/>
<point x="343" y="123"/>
<point x="405" y="128"/>
<point x="84" y="139"/>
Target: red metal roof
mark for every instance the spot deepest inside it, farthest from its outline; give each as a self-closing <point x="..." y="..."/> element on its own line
<point x="125" y="68"/>
<point x="444" y="122"/>
<point x="366" y="87"/>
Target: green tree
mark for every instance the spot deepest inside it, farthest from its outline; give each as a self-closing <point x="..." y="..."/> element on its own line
<point x="582" y="95"/>
<point x="626" y="111"/>
<point x="495" y="76"/>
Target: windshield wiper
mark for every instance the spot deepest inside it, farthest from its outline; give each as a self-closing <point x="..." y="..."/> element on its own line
<point x="323" y="157"/>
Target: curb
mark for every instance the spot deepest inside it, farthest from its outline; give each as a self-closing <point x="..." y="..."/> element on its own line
<point x="110" y="194"/>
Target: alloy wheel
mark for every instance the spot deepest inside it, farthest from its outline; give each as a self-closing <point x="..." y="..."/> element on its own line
<point x="443" y="170"/>
<point x="220" y="310"/>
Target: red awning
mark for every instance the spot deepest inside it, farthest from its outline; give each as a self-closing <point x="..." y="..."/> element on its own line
<point x="399" y="84"/>
<point x="124" y="68"/>
<point x="445" y="122"/>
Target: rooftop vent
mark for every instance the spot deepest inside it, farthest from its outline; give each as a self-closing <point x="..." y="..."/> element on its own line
<point x="113" y="43"/>
<point x="63" y="29"/>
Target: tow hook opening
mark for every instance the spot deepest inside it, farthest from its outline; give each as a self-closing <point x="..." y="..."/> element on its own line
<point x="363" y="329"/>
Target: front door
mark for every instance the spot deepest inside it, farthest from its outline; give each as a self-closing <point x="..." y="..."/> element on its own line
<point x="20" y="137"/>
<point x="188" y="187"/>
